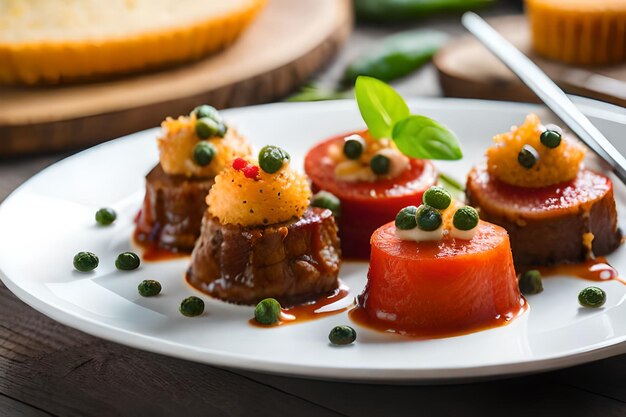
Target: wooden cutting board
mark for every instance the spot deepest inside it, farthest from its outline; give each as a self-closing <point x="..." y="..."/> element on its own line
<point x="467" y="69"/>
<point x="281" y="49"/>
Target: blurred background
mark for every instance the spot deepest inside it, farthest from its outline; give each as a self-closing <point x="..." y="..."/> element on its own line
<point x="75" y="73"/>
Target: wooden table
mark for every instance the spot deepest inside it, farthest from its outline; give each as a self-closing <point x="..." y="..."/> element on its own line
<point x="49" y="369"/>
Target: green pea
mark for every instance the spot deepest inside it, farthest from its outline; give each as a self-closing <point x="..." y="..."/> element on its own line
<point x="203" y="153"/>
<point x="593" y="297"/>
<point x="530" y="282"/>
<point x="380" y="164"/>
<point x="324" y="199"/>
<point x="342" y="335"/>
<point x="528" y="157"/>
<point x="465" y="218"/>
<point x="206" y="111"/>
<point x="353" y="147"/>
<point x="267" y="311"/>
<point x="105" y="216"/>
<point x="149" y="288"/>
<point x="127" y="261"/>
<point x="550" y="138"/>
<point x="428" y="218"/>
<point x="406" y="218"/>
<point x="85" y="261"/>
<point x="206" y="128"/>
<point x="191" y="307"/>
<point x="437" y="197"/>
<point x="272" y="158"/>
<point x="221" y="129"/>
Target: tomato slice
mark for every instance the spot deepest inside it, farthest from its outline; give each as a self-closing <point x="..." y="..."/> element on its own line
<point x="441" y="288"/>
<point x="365" y="206"/>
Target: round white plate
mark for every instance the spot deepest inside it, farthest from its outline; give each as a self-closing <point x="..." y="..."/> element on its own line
<point x="50" y="218"/>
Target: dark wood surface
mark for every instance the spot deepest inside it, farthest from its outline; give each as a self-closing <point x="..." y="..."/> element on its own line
<point x="49" y="369"/>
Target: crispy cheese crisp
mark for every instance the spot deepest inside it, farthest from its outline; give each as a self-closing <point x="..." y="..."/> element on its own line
<point x="555" y="165"/>
<point x="178" y="139"/>
<point x="262" y="200"/>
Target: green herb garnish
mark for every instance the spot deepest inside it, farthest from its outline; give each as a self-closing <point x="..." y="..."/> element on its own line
<point x="380" y="105"/>
<point x="315" y="93"/>
<point x="387" y="115"/>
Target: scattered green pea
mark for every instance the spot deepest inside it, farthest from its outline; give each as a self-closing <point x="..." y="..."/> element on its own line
<point x="85" y="261"/>
<point x="550" y="138"/>
<point x="528" y="157"/>
<point x="324" y="199"/>
<point x="428" y="218"/>
<point x="127" y="261"/>
<point x="406" y="218"/>
<point x="353" y="147"/>
<point x="465" y="218"/>
<point x="530" y="282"/>
<point x="203" y="153"/>
<point x="342" y="335"/>
<point x="272" y="158"/>
<point x="267" y="311"/>
<point x="206" y="128"/>
<point x="437" y="197"/>
<point x="380" y="164"/>
<point x="105" y="216"/>
<point x="593" y="297"/>
<point x="191" y="306"/>
<point x="149" y="288"/>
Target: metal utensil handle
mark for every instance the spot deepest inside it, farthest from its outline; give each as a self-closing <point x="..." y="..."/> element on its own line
<point x="554" y="98"/>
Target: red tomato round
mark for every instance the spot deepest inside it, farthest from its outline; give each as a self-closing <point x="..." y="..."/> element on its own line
<point x="365" y="206"/>
<point x="441" y="288"/>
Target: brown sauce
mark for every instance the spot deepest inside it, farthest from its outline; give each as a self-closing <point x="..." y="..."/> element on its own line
<point x="152" y="252"/>
<point x="596" y="269"/>
<point x="326" y="305"/>
<point x="360" y="316"/>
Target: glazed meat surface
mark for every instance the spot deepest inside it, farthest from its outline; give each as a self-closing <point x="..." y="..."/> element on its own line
<point x="563" y="223"/>
<point x="293" y="262"/>
<point x="172" y="211"/>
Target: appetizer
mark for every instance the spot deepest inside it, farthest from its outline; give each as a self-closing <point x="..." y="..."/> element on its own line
<point x="193" y="150"/>
<point x="260" y="238"/>
<point x="439" y="271"/>
<point x="535" y="186"/>
<point x="374" y="173"/>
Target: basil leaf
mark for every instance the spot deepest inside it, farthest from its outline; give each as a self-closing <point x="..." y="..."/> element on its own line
<point x="422" y="137"/>
<point x="380" y="106"/>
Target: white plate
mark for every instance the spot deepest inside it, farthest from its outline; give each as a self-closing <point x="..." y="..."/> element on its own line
<point x="50" y="218"/>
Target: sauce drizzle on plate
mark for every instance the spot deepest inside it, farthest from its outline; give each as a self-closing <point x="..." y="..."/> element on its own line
<point x="151" y="251"/>
<point x="597" y="269"/>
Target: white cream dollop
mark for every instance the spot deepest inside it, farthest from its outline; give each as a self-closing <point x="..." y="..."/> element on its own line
<point x="463" y="234"/>
<point x="420" y="235"/>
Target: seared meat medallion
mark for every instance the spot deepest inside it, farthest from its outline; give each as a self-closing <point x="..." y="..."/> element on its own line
<point x="293" y="261"/>
<point x="172" y="210"/>
<point x="561" y="223"/>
